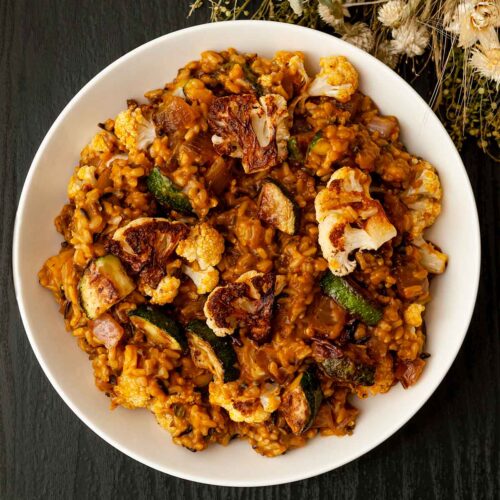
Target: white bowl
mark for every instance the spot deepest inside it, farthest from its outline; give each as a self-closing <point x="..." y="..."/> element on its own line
<point x="136" y="433"/>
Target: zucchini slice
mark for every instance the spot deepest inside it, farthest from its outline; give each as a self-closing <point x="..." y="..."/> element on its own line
<point x="294" y="152"/>
<point x="103" y="284"/>
<point x="350" y="298"/>
<point x="344" y="369"/>
<point x="159" y="327"/>
<point x="301" y="401"/>
<point x="278" y="208"/>
<point x="167" y="193"/>
<point x="212" y="353"/>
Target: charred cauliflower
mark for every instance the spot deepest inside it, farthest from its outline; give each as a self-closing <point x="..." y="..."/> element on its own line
<point x="245" y="403"/>
<point x="349" y="219"/>
<point x="246" y="303"/>
<point x="255" y="131"/>
<point x="145" y="245"/>
<point x="432" y="259"/>
<point x="423" y="197"/>
<point x="338" y="79"/>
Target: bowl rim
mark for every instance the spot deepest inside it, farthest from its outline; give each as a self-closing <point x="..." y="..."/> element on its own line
<point x="16" y="265"/>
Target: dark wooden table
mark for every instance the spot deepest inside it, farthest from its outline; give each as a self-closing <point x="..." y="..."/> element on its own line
<point x="450" y="449"/>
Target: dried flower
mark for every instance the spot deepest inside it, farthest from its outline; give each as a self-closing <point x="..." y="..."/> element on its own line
<point x="411" y="38"/>
<point x="485" y="15"/>
<point x="297" y="6"/>
<point x="392" y="13"/>
<point x="475" y="21"/>
<point x="467" y="64"/>
<point x="386" y="54"/>
<point x="360" y="35"/>
<point x="332" y="12"/>
<point x="487" y="63"/>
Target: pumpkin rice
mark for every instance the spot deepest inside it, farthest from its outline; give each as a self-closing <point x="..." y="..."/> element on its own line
<point x="180" y="132"/>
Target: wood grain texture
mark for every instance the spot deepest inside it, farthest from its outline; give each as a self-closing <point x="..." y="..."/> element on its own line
<point x="450" y="449"/>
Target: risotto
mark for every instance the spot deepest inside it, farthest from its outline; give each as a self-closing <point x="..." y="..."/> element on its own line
<point x="243" y="254"/>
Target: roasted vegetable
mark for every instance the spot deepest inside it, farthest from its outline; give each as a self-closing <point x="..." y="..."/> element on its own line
<point x="242" y="401"/>
<point x="301" y="401"/>
<point x="350" y="298"/>
<point x="294" y="152"/>
<point x="349" y="219"/>
<point x="336" y="364"/>
<point x="218" y="174"/>
<point x="255" y="130"/>
<point x="107" y="330"/>
<point x="423" y="197"/>
<point x="159" y="327"/>
<point x="343" y="369"/>
<point x="408" y="372"/>
<point x="103" y="284"/>
<point x="145" y="246"/>
<point x="278" y="208"/>
<point x="247" y="303"/>
<point x="212" y="353"/>
<point x="173" y="114"/>
<point x="338" y="79"/>
<point x="167" y="193"/>
<point x="314" y="141"/>
<point x="134" y="130"/>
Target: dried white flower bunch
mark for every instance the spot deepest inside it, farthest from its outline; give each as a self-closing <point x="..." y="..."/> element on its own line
<point x="459" y="36"/>
<point x="475" y="25"/>
<point x="403" y="28"/>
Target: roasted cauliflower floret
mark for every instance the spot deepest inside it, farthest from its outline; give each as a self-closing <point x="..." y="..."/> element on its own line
<point x="204" y="245"/>
<point x="338" y="79"/>
<point x="134" y="131"/>
<point x="296" y="68"/>
<point x="82" y="180"/>
<point x="244" y="403"/>
<point x="270" y="123"/>
<point x="145" y="245"/>
<point x="131" y="390"/>
<point x="245" y="303"/>
<point x="204" y="279"/>
<point x="100" y="147"/>
<point x="349" y="219"/>
<point x="165" y="292"/>
<point x="102" y="142"/>
<point x="255" y="131"/>
<point x="413" y="315"/>
<point x="286" y="67"/>
<point x="432" y="259"/>
<point x="423" y="197"/>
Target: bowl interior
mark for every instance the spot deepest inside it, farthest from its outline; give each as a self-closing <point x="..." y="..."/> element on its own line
<point x="136" y="432"/>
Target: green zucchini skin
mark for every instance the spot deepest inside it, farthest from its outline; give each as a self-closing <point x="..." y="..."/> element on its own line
<point x="314" y="141"/>
<point x="159" y="327"/>
<point x="351" y="299"/>
<point x="301" y="401"/>
<point x="312" y="389"/>
<point x="103" y="284"/>
<point x="167" y="193"/>
<point x="278" y="208"/>
<point x="221" y="347"/>
<point x="344" y="369"/>
<point x="294" y="152"/>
